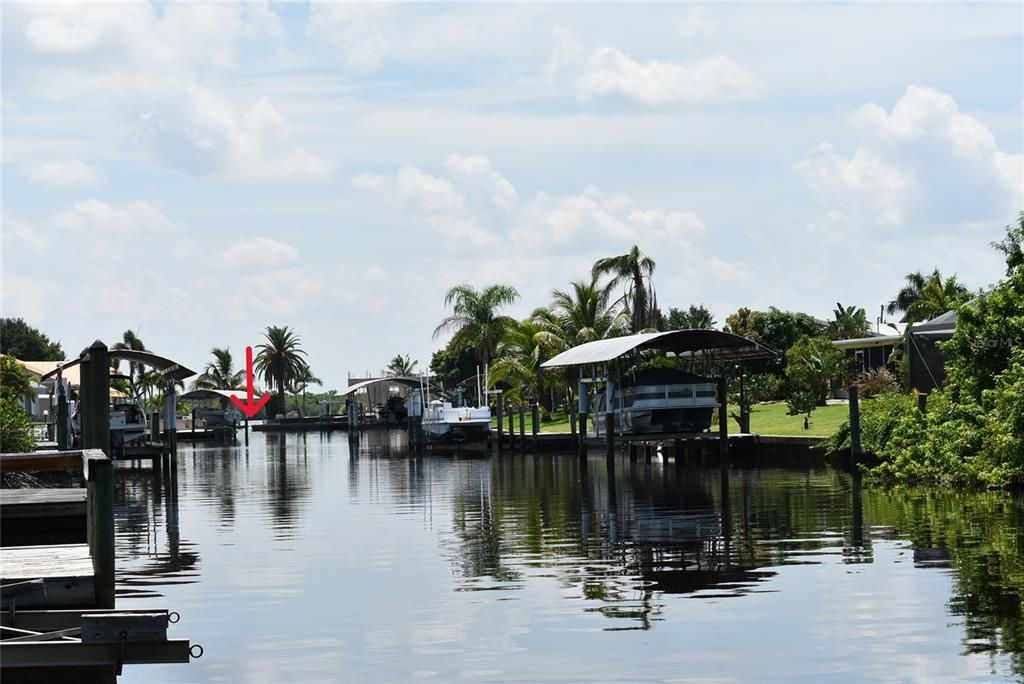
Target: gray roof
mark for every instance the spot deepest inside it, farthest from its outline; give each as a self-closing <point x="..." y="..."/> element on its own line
<point x="712" y="345"/>
<point x="159" y="363"/>
<point x="400" y="379"/>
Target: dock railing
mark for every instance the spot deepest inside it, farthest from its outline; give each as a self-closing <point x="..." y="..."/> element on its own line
<point x="98" y="473"/>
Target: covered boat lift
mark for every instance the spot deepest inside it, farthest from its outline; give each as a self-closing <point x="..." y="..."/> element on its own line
<point x="708" y="352"/>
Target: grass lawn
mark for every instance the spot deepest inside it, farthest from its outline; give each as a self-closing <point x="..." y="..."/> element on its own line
<point x="767" y="419"/>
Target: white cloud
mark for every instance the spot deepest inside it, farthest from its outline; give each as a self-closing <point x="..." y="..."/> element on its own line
<point x="29" y="297"/>
<point x="116" y="221"/>
<point x="475" y="205"/>
<point x="360" y="31"/>
<point x="566" y="55"/>
<point x="863" y="181"/>
<point x="17" y="232"/>
<point x="612" y="73"/>
<point x="159" y="73"/>
<point x="64" y="172"/>
<point x="260" y="253"/>
<point x="695" y="24"/>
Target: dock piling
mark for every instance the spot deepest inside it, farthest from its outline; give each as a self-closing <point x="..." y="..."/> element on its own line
<point x="854" y="428"/>
<point x="723" y="424"/>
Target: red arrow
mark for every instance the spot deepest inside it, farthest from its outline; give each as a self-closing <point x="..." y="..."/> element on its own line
<point x="249" y="408"/>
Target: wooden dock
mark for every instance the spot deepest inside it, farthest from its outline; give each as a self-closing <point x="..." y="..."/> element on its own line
<point x="54" y="515"/>
<point x="41" y="639"/>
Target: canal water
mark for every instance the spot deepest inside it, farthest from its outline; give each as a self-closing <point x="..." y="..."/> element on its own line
<point x="298" y="560"/>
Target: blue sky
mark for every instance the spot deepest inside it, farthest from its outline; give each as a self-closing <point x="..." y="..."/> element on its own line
<point x="200" y="171"/>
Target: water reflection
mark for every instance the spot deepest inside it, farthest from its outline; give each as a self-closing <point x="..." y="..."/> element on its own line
<point x="360" y="561"/>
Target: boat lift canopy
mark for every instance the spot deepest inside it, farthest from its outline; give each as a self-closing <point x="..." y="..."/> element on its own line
<point x="708" y="346"/>
<point x="210" y="394"/>
<point x="159" y="363"/>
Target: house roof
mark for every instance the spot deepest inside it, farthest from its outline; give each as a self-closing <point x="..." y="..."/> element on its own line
<point x="711" y="345"/>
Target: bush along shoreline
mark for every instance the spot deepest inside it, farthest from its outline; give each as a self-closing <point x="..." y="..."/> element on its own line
<point x="972" y="433"/>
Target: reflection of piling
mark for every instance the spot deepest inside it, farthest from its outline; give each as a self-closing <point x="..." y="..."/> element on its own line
<point x="723" y="425"/>
<point x="499" y="409"/>
<point x="609" y="435"/>
<point x="583" y="434"/>
<point x="522" y="427"/>
<point x="535" y="422"/>
<point x="247" y="430"/>
<point x="858" y="510"/>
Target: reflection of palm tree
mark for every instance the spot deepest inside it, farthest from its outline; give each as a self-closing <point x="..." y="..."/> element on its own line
<point x="475" y="318"/>
<point x="280" y="359"/>
<point x="402" y="366"/>
<point x="925" y="297"/>
<point x="635" y="269"/>
<point x="220" y="373"/>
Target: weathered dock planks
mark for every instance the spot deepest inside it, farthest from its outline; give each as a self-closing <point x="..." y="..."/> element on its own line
<point x="65" y="570"/>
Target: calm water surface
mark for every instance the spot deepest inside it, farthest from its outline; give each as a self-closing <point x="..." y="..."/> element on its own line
<point x="298" y="560"/>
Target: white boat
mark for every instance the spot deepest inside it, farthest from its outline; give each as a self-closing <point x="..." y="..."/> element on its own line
<point x="127" y="423"/>
<point x="441" y="420"/>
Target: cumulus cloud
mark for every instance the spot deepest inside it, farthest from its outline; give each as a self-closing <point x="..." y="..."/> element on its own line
<point x="260" y="253"/>
<point x="863" y="180"/>
<point x="925" y="115"/>
<point x="924" y="147"/>
<point x="20" y="233"/>
<point x="716" y="79"/>
<point x="64" y="172"/>
<point x="476" y="205"/>
<point x="170" y="96"/>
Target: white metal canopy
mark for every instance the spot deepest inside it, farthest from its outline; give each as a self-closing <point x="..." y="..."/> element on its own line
<point x="712" y="345"/>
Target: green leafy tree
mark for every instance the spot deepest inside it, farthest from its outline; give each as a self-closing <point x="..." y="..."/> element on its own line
<point x="303" y="379"/>
<point x="524" y="348"/>
<point x="15" y="435"/>
<point x="585" y="312"/>
<point x="476" y="319"/>
<point x="401" y="365"/>
<point x="776" y="329"/>
<point x="925" y="297"/>
<point x="849" y="323"/>
<point x="812" y="363"/>
<point x="456" y="361"/>
<point x="280" y="360"/>
<point x="22" y="341"/>
<point x="634" y="270"/>
<point x="220" y="373"/>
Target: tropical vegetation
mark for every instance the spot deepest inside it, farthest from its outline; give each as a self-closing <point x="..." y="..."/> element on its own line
<point x="401" y="365"/>
<point x="22" y="341"/>
<point x="220" y="373"/>
<point x="281" y="362"/>
<point x="972" y="431"/>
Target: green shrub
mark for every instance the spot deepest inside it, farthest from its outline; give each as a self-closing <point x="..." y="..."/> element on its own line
<point x="14" y="426"/>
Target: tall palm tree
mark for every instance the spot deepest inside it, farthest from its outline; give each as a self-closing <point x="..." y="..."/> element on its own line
<point x="925" y="297"/>
<point x="280" y="359"/>
<point x="129" y="342"/>
<point x="401" y="365"/>
<point x="633" y="269"/>
<point x="850" y="323"/>
<point x="220" y="373"/>
<point x="475" y="317"/>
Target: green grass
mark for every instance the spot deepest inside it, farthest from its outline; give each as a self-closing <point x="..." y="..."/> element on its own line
<point x="766" y="419"/>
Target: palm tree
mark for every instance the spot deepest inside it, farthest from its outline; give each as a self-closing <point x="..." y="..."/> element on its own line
<point x="220" y="373"/>
<point x="279" y="359"/>
<point x="525" y="346"/>
<point x="585" y="313"/>
<point x="303" y="379"/>
<point x="633" y="269"/>
<point x="694" y="318"/>
<point x="475" y="318"/>
<point x="850" y="323"/>
<point x="402" y="366"/>
<point x="925" y="297"/>
<point x="130" y="342"/>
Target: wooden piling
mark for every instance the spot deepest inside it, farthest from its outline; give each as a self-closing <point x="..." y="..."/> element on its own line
<point x="535" y="422"/>
<point x="499" y="409"/>
<point x="94" y="397"/>
<point x="854" y="428"/>
<point x="100" y="486"/>
<point x="723" y="424"/>
<point x="63" y="438"/>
